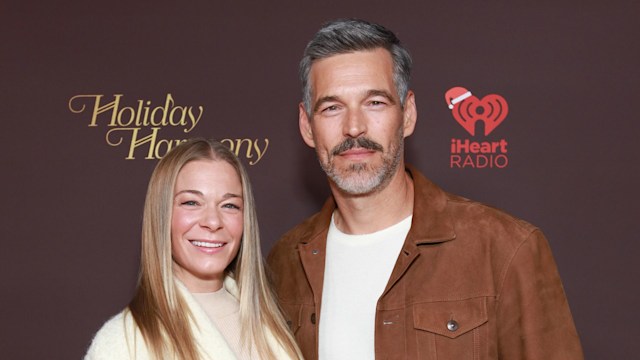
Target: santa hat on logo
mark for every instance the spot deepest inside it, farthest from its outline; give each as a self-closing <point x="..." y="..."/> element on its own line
<point x="455" y="95"/>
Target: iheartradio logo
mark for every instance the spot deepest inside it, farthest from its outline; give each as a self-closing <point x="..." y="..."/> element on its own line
<point x="468" y="109"/>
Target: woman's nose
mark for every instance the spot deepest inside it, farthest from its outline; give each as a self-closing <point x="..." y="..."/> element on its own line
<point x="211" y="219"/>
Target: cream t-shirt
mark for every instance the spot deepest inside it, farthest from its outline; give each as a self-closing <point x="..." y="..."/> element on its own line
<point x="357" y="270"/>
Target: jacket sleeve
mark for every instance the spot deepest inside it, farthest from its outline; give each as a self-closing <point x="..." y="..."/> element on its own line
<point x="534" y="320"/>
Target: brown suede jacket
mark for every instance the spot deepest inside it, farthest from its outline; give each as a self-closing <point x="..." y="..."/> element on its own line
<point x="471" y="282"/>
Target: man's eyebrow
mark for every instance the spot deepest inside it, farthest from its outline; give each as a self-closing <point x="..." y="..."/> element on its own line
<point x="323" y="100"/>
<point x="368" y="94"/>
<point x="382" y="93"/>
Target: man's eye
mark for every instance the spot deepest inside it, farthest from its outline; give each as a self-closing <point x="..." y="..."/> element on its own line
<point x="330" y="108"/>
<point x="376" y="102"/>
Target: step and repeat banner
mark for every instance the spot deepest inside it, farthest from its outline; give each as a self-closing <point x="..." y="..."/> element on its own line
<point x="95" y="93"/>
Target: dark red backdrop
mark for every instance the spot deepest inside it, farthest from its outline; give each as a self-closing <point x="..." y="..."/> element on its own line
<point x="72" y="203"/>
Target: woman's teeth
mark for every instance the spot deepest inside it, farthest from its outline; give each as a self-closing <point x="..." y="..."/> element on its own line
<point x="207" y="244"/>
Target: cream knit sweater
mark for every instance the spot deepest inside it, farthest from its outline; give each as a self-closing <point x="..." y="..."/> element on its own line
<point x="120" y="339"/>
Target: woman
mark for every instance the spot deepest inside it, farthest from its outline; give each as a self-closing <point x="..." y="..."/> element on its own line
<point x="202" y="291"/>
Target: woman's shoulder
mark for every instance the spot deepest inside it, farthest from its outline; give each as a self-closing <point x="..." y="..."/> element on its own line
<point x="117" y="339"/>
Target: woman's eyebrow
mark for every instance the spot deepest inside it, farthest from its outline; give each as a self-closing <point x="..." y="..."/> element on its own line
<point x="195" y="192"/>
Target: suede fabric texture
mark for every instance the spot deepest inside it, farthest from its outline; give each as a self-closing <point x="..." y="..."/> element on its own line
<point x="471" y="282"/>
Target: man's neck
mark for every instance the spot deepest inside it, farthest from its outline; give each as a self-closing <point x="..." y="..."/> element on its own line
<point x="365" y="214"/>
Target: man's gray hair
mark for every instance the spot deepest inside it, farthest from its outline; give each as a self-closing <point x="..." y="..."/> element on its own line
<point x="350" y="35"/>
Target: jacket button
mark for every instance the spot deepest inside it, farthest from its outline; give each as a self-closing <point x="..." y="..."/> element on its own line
<point x="452" y="325"/>
<point x="313" y="318"/>
<point x="315" y="251"/>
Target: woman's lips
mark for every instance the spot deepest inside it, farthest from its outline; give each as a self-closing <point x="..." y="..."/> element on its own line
<point x="207" y="246"/>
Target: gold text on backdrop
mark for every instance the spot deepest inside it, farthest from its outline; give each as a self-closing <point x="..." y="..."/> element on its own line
<point x="142" y="115"/>
<point x="139" y="125"/>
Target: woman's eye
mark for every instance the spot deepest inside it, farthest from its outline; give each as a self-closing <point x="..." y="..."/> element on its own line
<point x="190" y="203"/>
<point x="231" y="206"/>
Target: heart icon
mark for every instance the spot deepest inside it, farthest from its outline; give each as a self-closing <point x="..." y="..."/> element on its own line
<point x="492" y="110"/>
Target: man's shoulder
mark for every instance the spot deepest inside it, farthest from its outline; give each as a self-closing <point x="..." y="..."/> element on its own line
<point x="470" y="216"/>
<point x="479" y="209"/>
<point x="460" y="212"/>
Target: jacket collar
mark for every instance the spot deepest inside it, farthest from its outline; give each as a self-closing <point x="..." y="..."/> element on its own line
<point x="431" y="220"/>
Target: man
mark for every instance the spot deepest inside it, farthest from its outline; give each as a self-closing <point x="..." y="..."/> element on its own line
<point x="393" y="267"/>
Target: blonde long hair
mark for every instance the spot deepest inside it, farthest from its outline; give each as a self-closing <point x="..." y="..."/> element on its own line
<point x="157" y="307"/>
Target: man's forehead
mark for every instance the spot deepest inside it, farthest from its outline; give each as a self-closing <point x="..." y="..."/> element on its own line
<point x="367" y="69"/>
<point x="380" y="53"/>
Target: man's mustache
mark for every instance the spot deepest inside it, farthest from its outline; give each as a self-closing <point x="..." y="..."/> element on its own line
<point x="361" y="142"/>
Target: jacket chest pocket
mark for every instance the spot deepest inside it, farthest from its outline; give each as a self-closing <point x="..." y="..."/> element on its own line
<point x="451" y="329"/>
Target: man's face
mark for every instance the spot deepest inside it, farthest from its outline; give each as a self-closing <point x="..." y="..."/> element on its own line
<point x="357" y="125"/>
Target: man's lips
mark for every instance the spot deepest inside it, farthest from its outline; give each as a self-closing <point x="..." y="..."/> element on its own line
<point x="356" y="153"/>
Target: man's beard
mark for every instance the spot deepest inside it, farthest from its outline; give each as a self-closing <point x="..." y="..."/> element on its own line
<point x="363" y="178"/>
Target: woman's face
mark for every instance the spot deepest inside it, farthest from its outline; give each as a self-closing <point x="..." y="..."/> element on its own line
<point x="206" y="223"/>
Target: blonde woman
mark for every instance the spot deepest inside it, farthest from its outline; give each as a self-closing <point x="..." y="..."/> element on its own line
<point x="202" y="291"/>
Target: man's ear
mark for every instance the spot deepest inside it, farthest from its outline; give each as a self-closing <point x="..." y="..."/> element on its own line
<point x="410" y="114"/>
<point x="305" y="126"/>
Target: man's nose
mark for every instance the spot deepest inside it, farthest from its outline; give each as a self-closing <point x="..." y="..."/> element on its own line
<point x="355" y="124"/>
